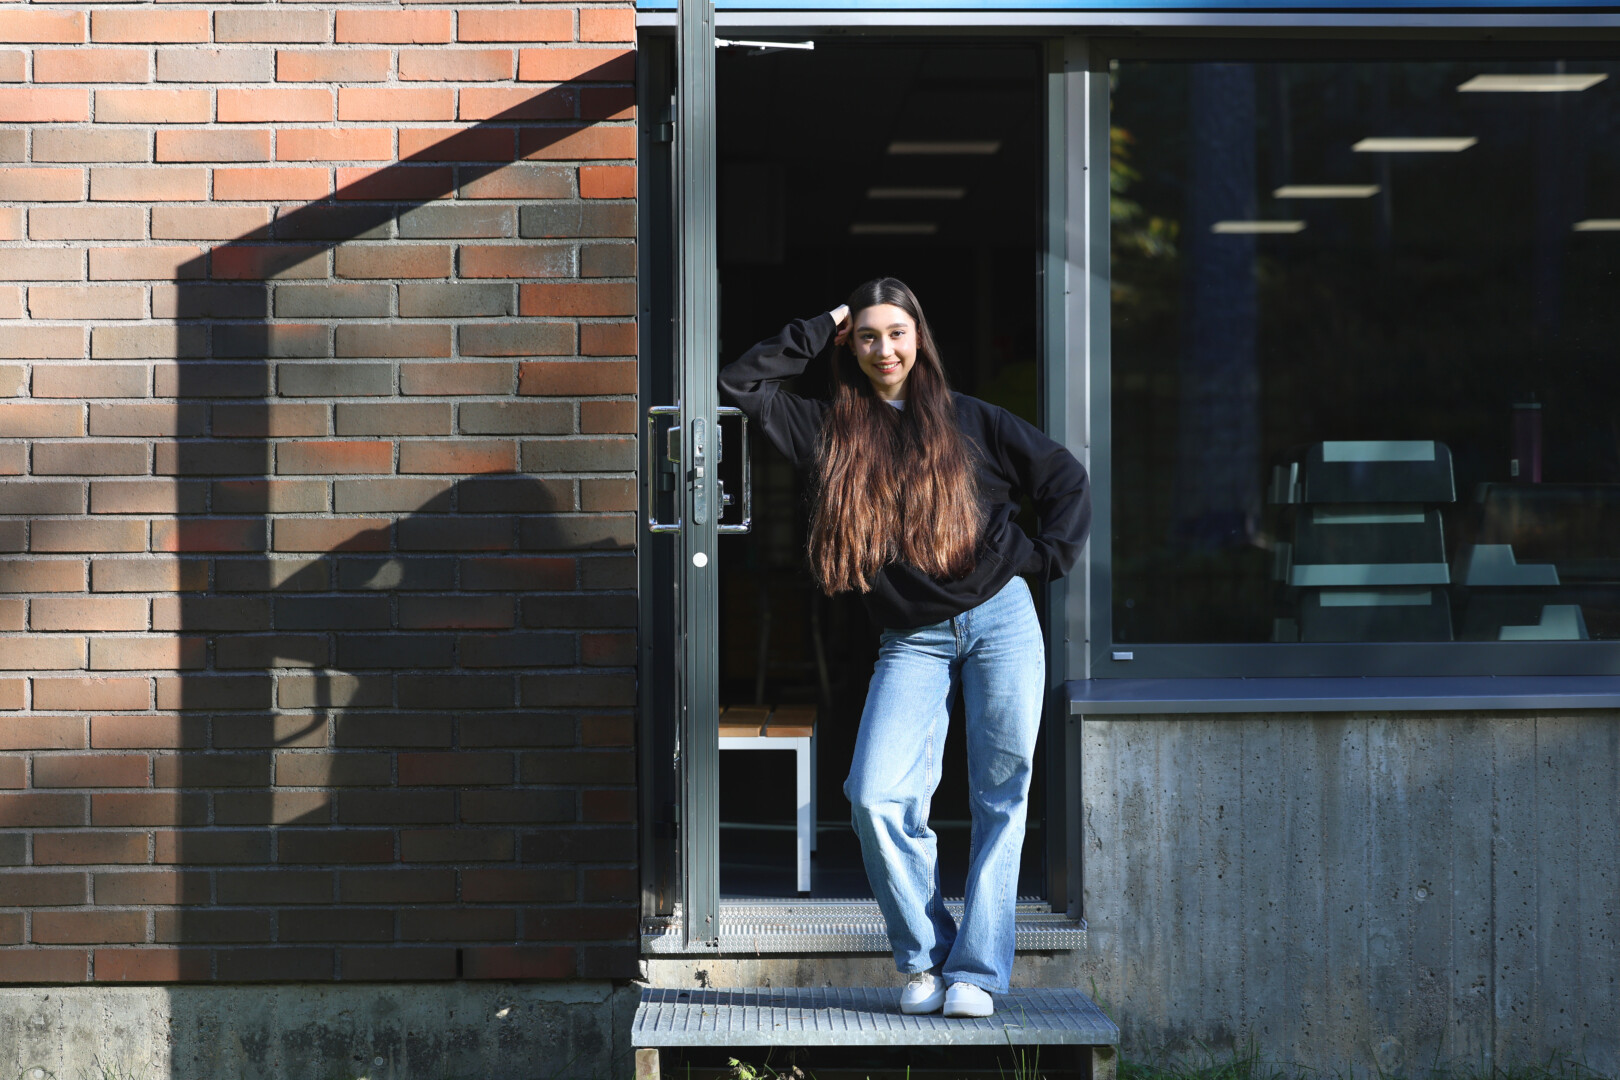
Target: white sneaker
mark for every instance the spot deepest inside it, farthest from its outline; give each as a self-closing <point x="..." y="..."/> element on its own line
<point x="965" y="999"/>
<point x="925" y="993"/>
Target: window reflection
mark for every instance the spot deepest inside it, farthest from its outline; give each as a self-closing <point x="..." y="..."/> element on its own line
<point x="1364" y="337"/>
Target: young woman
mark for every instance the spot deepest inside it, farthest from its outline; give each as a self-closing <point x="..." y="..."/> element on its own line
<point x="916" y="489"/>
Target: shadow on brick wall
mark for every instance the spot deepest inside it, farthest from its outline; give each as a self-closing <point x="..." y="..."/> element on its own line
<point x="406" y="603"/>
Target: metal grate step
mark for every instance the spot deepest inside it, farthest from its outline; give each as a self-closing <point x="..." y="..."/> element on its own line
<point x="860" y="1016"/>
<point x="750" y="927"/>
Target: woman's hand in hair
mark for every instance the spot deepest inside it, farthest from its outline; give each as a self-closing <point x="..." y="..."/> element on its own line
<point x="840" y="316"/>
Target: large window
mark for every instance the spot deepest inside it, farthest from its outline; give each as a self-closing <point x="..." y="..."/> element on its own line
<point x="1365" y="361"/>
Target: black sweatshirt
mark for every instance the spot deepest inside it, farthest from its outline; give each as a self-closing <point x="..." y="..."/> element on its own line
<point x="1011" y="457"/>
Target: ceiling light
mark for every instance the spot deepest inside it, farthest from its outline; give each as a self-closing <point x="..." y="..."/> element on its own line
<point x="945" y="146"/>
<point x="1598" y="225"/>
<point x="915" y="192"/>
<point x="1250" y="228"/>
<point x="1326" y="191"/>
<point x="893" y="228"/>
<point x="1430" y="144"/>
<point x="1530" y="84"/>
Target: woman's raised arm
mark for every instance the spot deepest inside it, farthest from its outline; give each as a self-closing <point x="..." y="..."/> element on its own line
<point x="754" y="381"/>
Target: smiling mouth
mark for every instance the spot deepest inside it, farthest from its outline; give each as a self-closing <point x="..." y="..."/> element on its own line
<point x="887" y="369"/>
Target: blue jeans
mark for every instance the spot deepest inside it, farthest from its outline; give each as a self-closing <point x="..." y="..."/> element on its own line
<point x="995" y="654"/>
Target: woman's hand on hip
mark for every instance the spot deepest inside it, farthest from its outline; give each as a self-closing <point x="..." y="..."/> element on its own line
<point x="840" y="316"/>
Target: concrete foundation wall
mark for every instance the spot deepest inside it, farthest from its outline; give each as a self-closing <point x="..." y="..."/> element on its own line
<point x="443" y="1031"/>
<point x="1358" y="889"/>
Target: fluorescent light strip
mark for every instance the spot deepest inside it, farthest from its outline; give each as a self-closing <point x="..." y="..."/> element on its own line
<point x="1598" y="225"/>
<point x="915" y="192"/>
<point x="1530" y="84"/>
<point x="1326" y="191"/>
<point x="893" y="228"/>
<point x="945" y="146"/>
<point x="1252" y="228"/>
<point x="1431" y="144"/>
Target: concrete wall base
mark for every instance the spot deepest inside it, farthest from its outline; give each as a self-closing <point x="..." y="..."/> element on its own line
<point x="418" y="1031"/>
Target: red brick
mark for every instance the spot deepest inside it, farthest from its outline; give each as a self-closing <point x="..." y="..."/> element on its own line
<point x="551" y="144"/>
<point x="607" y="24"/>
<point x="13" y="772"/>
<point x="458" y="65"/>
<point x="43" y="264"/>
<point x="36" y="184"/>
<point x="39" y="421"/>
<point x="395" y="103"/>
<point x="166" y="653"/>
<point x="30" y="105"/>
<point x="507" y="25"/>
<point x="254" y="262"/>
<point x="520" y="103"/>
<point x="607" y="182"/>
<point x="275" y="965"/>
<point x="33" y="967"/>
<point x="83" y="848"/>
<point x="38" y="810"/>
<point x="41" y="732"/>
<point x="98" y="144"/>
<point x="607" y="103"/>
<point x="503" y="574"/>
<point x="269" y="24"/>
<point x="84" y="927"/>
<point x="280" y="185"/>
<point x="92" y="693"/>
<point x="198" y="847"/>
<point x="348" y="769"/>
<point x="452" y="144"/>
<point x="80" y="535"/>
<point x="83" y="65"/>
<point x="409" y="183"/>
<point x="213" y="692"/>
<point x="158" y="184"/>
<point x="209" y="222"/>
<point x="11" y="694"/>
<point x="147" y="24"/>
<point x="145" y="497"/>
<point x="274" y="106"/>
<point x="86" y="302"/>
<point x="41" y="575"/>
<point x="43" y="652"/>
<point x="518" y="962"/>
<point x="589" y="300"/>
<point x="152" y="887"/>
<point x="150" y="106"/>
<point x="31" y="26"/>
<point x="121" y="732"/>
<point x="454" y="769"/>
<point x="458" y="456"/>
<point x="397" y="886"/>
<point x="144" y="263"/>
<point x="208" y="535"/>
<point x="148" y="808"/>
<point x="213" y="145"/>
<point x="153" y="965"/>
<point x="459" y="379"/>
<point x="393" y="340"/>
<point x="607" y="339"/>
<point x="14" y="68"/>
<point x="85" y="613"/>
<point x="328" y="144"/>
<point x="331" y="65"/>
<point x="461" y="613"/>
<point x="194" y="926"/>
<point x="394" y="260"/>
<point x="84" y="381"/>
<point x="334" y="534"/>
<point x="516" y="261"/>
<point x="571" y="65"/>
<point x="476" y="924"/>
<point x="394" y="27"/>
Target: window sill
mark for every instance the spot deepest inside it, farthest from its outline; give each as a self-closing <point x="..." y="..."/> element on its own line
<point x="1102" y="697"/>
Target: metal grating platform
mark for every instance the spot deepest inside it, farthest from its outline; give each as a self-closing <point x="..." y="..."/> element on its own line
<point x="860" y="1016"/>
<point x="757" y="927"/>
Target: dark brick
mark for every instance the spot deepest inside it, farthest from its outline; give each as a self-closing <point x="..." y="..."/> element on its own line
<point x="278" y="731"/>
<point x="607" y="260"/>
<point x="615" y="923"/>
<point x="272" y="807"/>
<point x="210" y="770"/>
<point x="516" y="495"/>
<point x="485" y="886"/>
<point x="598" y="531"/>
<point x="479" y="924"/>
<point x="211" y="380"/>
<point x="334" y="380"/>
<point x="397" y="886"/>
<point x="276" y="341"/>
<point x="419" y="300"/>
<point x="517" y="807"/>
<point x="518" y="574"/>
<point x="457" y="613"/>
<point x="396" y="807"/>
<point x="579" y="455"/>
<point x="608" y="886"/>
<point x="403" y="494"/>
<point x="392" y="418"/>
<point x="457" y="691"/>
<point x="334" y="300"/>
<point x="205" y="847"/>
<point x="153" y="887"/>
<point x="336" y="223"/>
<point x="210" y="302"/>
<point x="300" y="768"/>
<point x="269" y="651"/>
<point x="456" y="533"/>
<point x="609" y="961"/>
<point x="516" y="650"/>
<point x="294" y="846"/>
<point x="22" y="888"/>
<point x="49" y="497"/>
<point x="396" y="651"/>
<point x="456" y="845"/>
<point x="409" y="573"/>
<point x="199" y="457"/>
<point x="275" y="965"/>
<point x="579" y="611"/>
<point x="579" y="767"/>
<point x="560" y="220"/>
<point x="516" y="418"/>
<point x="518" y="962"/>
<point x="336" y="924"/>
<point x="279" y="575"/>
<point x="327" y="691"/>
<point x="278" y="886"/>
<point x="214" y="692"/>
<point x="195" y="927"/>
<point x="210" y="613"/>
<point x="331" y="613"/>
<point x="399" y="340"/>
<point x="527" y="338"/>
<point x="395" y="963"/>
<point x="454" y="222"/>
<point x="608" y="572"/>
<point x="524" y="729"/>
<point x="394" y="730"/>
<point x="585" y="844"/>
<point x="564" y="691"/>
<point x="13" y="849"/>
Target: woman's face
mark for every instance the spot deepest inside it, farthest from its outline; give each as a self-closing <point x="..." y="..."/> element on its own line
<point x="884" y="340"/>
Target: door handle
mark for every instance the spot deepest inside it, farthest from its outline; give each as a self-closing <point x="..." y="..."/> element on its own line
<point x="747" y="522"/>
<point x="674" y="455"/>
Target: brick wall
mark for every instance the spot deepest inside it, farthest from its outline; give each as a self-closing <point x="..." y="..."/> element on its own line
<point x="316" y="491"/>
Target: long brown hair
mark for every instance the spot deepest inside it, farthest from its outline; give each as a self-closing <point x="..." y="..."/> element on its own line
<point x="892" y="483"/>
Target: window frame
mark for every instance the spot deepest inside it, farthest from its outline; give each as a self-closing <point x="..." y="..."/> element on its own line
<point x="1106" y="659"/>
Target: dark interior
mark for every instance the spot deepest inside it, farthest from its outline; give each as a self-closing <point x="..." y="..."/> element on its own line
<point x="804" y="138"/>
